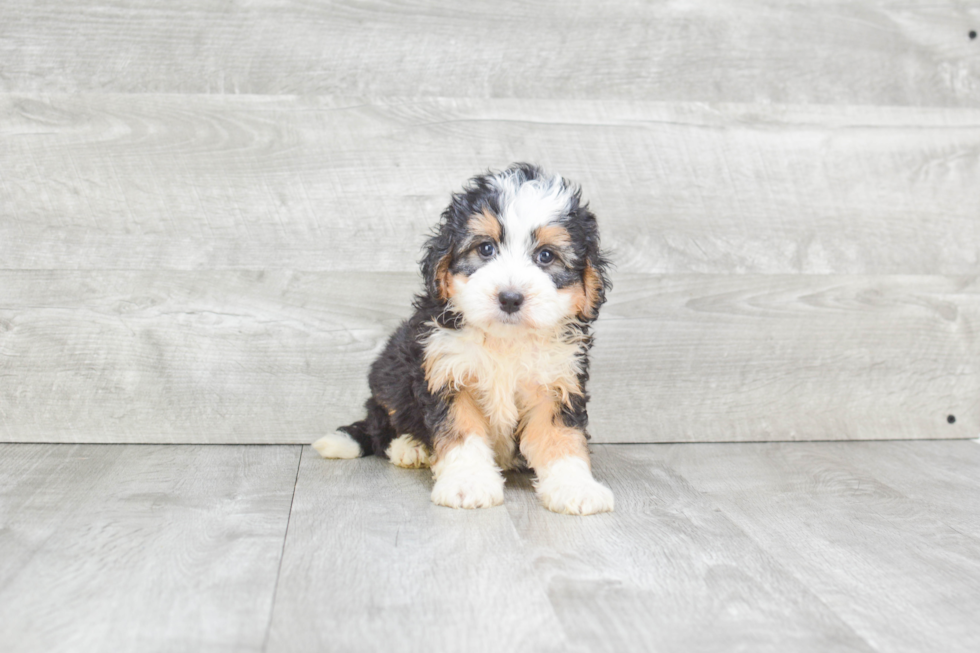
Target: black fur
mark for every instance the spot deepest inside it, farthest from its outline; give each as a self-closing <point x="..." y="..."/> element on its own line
<point x="400" y="401"/>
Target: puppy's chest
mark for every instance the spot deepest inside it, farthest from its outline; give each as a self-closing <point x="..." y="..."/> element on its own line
<point x="505" y="375"/>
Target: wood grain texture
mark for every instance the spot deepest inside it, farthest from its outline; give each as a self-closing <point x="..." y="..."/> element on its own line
<point x="282" y="357"/>
<point x="233" y="356"/>
<point x="725" y="547"/>
<point x="371" y="564"/>
<point x="666" y="571"/>
<point x="888" y="564"/>
<point x="200" y="182"/>
<point x="745" y="357"/>
<point x="941" y="476"/>
<point x="125" y="548"/>
<point x="872" y="52"/>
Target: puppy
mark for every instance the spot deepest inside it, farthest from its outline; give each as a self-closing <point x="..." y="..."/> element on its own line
<point x="489" y="373"/>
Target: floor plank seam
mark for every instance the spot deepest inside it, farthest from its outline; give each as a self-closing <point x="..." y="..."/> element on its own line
<point x="529" y="559"/>
<point x="282" y="552"/>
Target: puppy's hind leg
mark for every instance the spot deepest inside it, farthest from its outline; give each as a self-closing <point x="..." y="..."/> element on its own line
<point x="372" y="434"/>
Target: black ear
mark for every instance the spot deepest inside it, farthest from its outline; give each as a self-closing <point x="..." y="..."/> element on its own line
<point x="437" y="259"/>
<point x="595" y="272"/>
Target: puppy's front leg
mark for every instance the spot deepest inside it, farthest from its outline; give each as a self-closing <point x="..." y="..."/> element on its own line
<point x="465" y="471"/>
<point x="559" y="456"/>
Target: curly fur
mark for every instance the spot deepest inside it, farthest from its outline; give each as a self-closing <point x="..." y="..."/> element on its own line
<point x="467" y="373"/>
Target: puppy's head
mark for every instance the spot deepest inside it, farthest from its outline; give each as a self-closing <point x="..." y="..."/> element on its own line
<point x="517" y="250"/>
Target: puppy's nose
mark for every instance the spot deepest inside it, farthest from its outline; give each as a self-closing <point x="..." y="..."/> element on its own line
<point x="510" y="301"/>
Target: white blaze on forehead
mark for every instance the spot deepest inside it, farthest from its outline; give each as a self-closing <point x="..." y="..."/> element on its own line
<point x="526" y="206"/>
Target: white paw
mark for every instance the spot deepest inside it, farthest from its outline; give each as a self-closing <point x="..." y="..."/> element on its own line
<point x="483" y="491"/>
<point x="406" y="451"/>
<point x="467" y="477"/>
<point x="567" y="486"/>
<point x="337" y="445"/>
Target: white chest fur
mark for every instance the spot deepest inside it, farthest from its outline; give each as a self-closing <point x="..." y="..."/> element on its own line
<point x="505" y="374"/>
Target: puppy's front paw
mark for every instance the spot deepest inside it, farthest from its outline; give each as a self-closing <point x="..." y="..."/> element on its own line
<point x="580" y="498"/>
<point x="480" y="491"/>
<point x="468" y="477"/>
<point x="567" y="486"/>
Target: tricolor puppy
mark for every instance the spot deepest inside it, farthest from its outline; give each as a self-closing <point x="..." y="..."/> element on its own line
<point x="489" y="373"/>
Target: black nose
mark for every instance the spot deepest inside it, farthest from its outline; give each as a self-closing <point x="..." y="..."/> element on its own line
<point x="510" y="301"/>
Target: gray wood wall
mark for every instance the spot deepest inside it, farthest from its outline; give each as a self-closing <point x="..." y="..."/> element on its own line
<point x="210" y="214"/>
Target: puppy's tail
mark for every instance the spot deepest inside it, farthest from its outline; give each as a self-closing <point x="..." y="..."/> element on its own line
<point x="338" y="444"/>
<point x="372" y="434"/>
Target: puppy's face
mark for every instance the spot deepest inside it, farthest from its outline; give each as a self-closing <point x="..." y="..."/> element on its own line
<point x="517" y="250"/>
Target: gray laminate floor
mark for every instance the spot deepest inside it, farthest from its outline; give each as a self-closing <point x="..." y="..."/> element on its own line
<point x="864" y="546"/>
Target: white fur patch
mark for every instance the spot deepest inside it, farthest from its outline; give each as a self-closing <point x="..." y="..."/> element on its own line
<point x="477" y="298"/>
<point x="498" y="371"/>
<point x="524" y="206"/>
<point x="406" y="451"/>
<point x="466" y="477"/>
<point x="337" y="445"/>
<point x="527" y="205"/>
<point x="567" y="486"/>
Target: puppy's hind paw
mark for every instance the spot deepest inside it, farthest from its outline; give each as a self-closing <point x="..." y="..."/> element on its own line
<point x="337" y="445"/>
<point x="406" y="451"/>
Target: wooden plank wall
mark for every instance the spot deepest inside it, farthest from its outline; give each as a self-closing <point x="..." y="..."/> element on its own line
<point x="210" y="214"/>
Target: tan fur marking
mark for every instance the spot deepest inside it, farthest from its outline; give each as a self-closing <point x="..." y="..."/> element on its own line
<point x="564" y="388"/>
<point x="559" y="389"/>
<point x="579" y="302"/>
<point x="465" y="419"/>
<point x="544" y="439"/>
<point x="444" y="279"/>
<point x="485" y="224"/>
<point x="593" y="284"/>
<point x="553" y="235"/>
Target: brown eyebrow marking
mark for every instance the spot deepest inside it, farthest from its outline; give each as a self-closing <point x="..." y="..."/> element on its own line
<point x="553" y="235"/>
<point x="485" y="224"/>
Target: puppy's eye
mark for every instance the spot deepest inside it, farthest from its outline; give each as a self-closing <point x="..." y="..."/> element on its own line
<point x="486" y="250"/>
<point x="545" y="256"/>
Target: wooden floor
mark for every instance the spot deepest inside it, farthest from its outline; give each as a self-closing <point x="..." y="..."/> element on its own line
<point x="831" y="546"/>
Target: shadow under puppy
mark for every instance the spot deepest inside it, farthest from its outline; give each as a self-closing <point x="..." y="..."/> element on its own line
<point x="490" y="371"/>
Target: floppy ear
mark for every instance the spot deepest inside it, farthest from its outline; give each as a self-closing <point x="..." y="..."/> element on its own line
<point x="595" y="277"/>
<point x="435" y="263"/>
